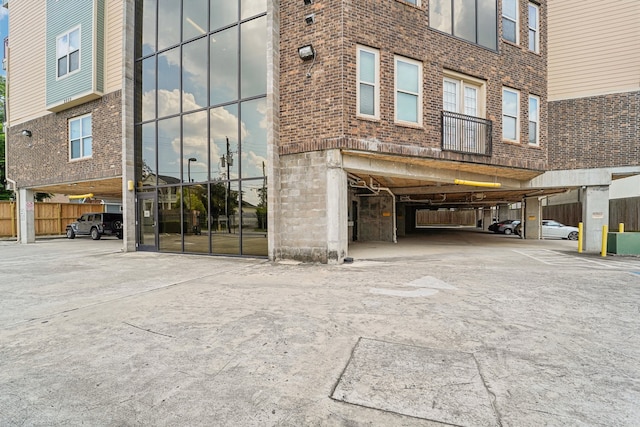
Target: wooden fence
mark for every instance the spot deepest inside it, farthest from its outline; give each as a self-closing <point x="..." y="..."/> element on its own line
<point x="50" y="218"/>
<point x="626" y="211"/>
<point x="425" y="218"/>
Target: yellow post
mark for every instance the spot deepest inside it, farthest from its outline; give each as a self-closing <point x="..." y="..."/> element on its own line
<point x="621" y="227"/>
<point x="580" y="237"/>
<point x="605" y="230"/>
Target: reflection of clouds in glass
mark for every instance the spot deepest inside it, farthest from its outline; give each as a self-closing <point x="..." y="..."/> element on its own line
<point x="148" y="27"/>
<point x="168" y="23"/>
<point x="253" y="59"/>
<point x="255" y="161"/>
<point x="253" y="7"/>
<point x="250" y="191"/>
<point x="224" y="66"/>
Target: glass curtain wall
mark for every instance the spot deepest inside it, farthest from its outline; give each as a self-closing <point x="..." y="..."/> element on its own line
<point x="200" y="117"/>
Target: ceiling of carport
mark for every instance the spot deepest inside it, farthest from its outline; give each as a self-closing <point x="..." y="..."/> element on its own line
<point x="108" y="188"/>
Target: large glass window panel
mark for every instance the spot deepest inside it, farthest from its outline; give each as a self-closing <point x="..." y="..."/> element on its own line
<point x="170" y="219"/>
<point x="464" y="24"/>
<point x="254" y="138"/>
<point x="253" y="57"/>
<point x="196" y="230"/>
<point x="440" y="15"/>
<point x="194" y="18"/>
<point x="148" y="27"/>
<point x="223" y="13"/>
<point x="225" y="218"/>
<point x="148" y="86"/>
<point x="169" y="151"/>
<point x="251" y="8"/>
<point x="169" y="83"/>
<point x="487" y="29"/>
<point x="195" y="147"/>
<point x="168" y="23"/>
<point x="194" y="75"/>
<point x="224" y="142"/>
<point x="224" y="66"/>
<point x="254" y="217"/>
<point x="148" y="154"/>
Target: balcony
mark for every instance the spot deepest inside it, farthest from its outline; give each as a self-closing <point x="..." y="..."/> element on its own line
<point x="466" y="134"/>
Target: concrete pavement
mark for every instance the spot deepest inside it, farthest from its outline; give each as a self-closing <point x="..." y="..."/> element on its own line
<point x="450" y="328"/>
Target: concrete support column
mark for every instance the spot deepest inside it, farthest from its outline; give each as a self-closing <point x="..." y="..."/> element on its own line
<point x="27" y="221"/>
<point x="532" y="218"/>
<point x="595" y="214"/>
<point x="337" y="208"/>
<point x="487" y="218"/>
<point x="503" y="212"/>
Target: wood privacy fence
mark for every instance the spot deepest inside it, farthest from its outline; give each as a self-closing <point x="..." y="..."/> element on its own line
<point x="426" y="218"/>
<point x="50" y="218"/>
<point x="626" y="211"/>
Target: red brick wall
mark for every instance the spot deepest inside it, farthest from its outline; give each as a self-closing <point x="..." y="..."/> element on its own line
<point x="320" y="112"/>
<point x="44" y="157"/>
<point x="594" y="132"/>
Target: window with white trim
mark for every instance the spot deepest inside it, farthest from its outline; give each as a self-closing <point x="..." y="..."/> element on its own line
<point x="68" y="52"/>
<point x="534" y="120"/>
<point x="414" y="2"/>
<point x="534" y="25"/>
<point x="463" y="94"/>
<point x="368" y="96"/>
<point x="510" y="20"/>
<point x="80" y="139"/>
<point x="510" y="114"/>
<point x="408" y="90"/>
<point x="473" y="20"/>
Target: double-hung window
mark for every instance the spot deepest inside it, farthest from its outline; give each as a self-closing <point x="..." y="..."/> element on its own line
<point x="471" y="20"/>
<point x="534" y="120"/>
<point x="408" y="90"/>
<point x="510" y="20"/>
<point x="80" y="139"/>
<point x="534" y="25"/>
<point x="368" y="97"/>
<point x="68" y="52"/>
<point x="510" y="114"/>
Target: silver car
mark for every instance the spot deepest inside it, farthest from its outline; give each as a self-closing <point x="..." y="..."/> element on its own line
<point x="554" y="230"/>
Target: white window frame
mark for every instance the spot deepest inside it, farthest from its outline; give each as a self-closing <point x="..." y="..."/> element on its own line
<point x="81" y="138"/>
<point x="413" y="2"/>
<point x="68" y="53"/>
<point x="463" y="81"/>
<point x="376" y="83"/>
<point x="536" y="30"/>
<point x="515" y="20"/>
<point x="396" y="90"/>
<point x="517" y="116"/>
<point x="536" y="121"/>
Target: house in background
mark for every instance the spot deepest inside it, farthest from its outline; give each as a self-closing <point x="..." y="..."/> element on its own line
<point x="338" y="121"/>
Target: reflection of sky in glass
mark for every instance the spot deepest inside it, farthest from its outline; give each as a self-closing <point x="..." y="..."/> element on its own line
<point x="487" y="18"/>
<point x="168" y="23"/>
<point x="194" y="76"/>
<point x="223" y="13"/>
<point x="252" y="7"/>
<point x="464" y="25"/>
<point x="533" y="109"/>
<point x="251" y="190"/>
<point x="169" y="80"/>
<point x="149" y="27"/>
<point x="254" y="142"/>
<point x="224" y="124"/>
<point x="149" y="146"/>
<point x="168" y="136"/>
<point x="224" y="66"/>
<point x="253" y="60"/>
<point x="440" y="15"/>
<point x="149" y="87"/>
<point x="194" y="21"/>
<point x="194" y="145"/>
<point x="509" y="8"/>
<point x="509" y="102"/>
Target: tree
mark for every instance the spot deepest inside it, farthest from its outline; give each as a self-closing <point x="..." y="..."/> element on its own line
<point x="4" y="193"/>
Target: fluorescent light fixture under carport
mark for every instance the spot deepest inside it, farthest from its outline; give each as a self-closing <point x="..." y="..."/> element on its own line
<point x="477" y="183"/>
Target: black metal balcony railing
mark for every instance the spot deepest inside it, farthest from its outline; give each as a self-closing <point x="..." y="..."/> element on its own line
<point x="466" y="134"/>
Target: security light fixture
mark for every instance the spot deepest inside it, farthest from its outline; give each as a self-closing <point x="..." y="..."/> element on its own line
<point x="26" y="133"/>
<point x="310" y="19"/>
<point x="306" y="52"/>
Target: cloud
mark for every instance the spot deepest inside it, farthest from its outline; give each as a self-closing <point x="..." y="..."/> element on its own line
<point x="4" y="13"/>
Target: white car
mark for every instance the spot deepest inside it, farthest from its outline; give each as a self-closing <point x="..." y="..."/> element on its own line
<point x="554" y="230"/>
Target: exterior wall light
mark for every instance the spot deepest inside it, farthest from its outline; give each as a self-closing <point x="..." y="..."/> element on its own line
<point x="26" y="133"/>
<point x="306" y="52"/>
<point x="310" y="19"/>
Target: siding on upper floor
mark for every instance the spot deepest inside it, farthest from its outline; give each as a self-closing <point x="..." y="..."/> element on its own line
<point x="27" y="62"/>
<point x="113" y="36"/>
<point x="593" y="48"/>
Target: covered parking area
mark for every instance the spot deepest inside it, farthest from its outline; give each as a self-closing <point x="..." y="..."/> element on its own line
<point x="388" y="194"/>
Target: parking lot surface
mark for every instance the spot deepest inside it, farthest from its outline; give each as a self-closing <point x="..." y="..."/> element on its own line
<point x="448" y="328"/>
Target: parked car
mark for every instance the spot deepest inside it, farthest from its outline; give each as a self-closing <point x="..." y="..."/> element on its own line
<point x="96" y="225"/>
<point x="505" y="226"/>
<point x="553" y="229"/>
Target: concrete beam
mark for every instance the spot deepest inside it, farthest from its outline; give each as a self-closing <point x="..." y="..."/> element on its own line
<point x="581" y="177"/>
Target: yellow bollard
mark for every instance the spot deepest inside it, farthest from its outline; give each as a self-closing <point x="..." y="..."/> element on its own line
<point x="605" y="230"/>
<point x="621" y="227"/>
<point x="580" y="237"/>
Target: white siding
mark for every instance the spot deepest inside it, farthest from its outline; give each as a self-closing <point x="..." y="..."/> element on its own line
<point x="593" y="47"/>
<point x="113" y="50"/>
<point x="26" y="71"/>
